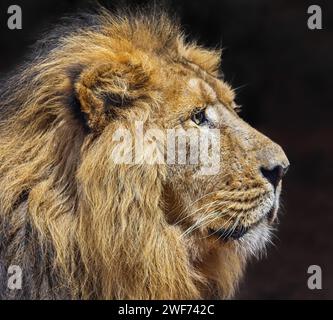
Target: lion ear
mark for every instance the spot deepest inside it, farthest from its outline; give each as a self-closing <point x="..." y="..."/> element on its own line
<point x="104" y="91"/>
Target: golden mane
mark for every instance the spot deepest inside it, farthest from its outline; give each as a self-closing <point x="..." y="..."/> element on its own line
<point x="72" y="238"/>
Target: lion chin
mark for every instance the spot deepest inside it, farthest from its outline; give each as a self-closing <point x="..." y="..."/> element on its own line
<point x="86" y="211"/>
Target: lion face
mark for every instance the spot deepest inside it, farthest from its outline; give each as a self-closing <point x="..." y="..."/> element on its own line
<point x="241" y="199"/>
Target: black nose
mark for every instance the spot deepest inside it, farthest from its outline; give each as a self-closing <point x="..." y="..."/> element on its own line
<point x="275" y="174"/>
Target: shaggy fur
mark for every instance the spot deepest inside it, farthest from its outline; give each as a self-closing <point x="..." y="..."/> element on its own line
<point x="81" y="226"/>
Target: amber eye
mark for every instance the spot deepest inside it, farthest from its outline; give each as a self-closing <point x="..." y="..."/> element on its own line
<point x="199" y="117"/>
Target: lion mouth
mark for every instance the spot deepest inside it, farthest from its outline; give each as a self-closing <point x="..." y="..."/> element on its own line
<point x="272" y="214"/>
<point x="239" y="231"/>
<point x="226" y="234"/>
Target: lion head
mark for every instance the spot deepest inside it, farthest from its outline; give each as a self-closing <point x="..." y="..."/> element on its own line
<point x="83" y="225"/>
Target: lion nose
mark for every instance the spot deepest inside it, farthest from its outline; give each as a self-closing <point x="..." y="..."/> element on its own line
<point x="275" y="174"/>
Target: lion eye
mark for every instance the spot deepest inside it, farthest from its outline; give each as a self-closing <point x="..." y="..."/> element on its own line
<point x="199" y="117"/>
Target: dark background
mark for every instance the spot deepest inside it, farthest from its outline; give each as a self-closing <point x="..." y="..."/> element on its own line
<point x="284" y="74"/>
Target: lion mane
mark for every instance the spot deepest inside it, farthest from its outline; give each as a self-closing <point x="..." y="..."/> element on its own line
<point x="78" y="226"/>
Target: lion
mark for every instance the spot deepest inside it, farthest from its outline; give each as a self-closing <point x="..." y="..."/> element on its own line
<point x="82" y="226"/>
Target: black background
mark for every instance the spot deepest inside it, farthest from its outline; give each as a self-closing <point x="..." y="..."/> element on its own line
<point x="283" y="72"/>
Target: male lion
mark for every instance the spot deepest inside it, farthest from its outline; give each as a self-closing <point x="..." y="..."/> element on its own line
<point x="82" y="226"/>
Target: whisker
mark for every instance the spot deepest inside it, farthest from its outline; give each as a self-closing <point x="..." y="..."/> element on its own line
<point x="230" y="218"/>
<point x="223" y="225"/>
<point x="195" y="211"/>
<point x="194" y="202"/>
<point x="232" y="229"/>
<point x="198" y="223"/>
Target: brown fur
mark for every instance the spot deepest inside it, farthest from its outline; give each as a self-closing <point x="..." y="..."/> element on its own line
<point x="85" y="227"/>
